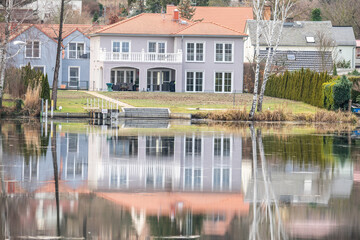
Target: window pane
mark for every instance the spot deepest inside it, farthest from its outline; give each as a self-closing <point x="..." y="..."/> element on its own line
<point x="218" y="82"/>
<point x="41" y="69"/>
<point x="199" y="82"/>
<point x="188" y="146"/>
<point x="113" y="77"/>
<point x="28" y="49"/>
<point x="152" y="47"/>
<point x="227" y="82"/>
<point x="161" y="47"/>
<point x="74" y="72"/>
<point x="226" y="147"/>
<point x="188" y="178"/>
<point x="226" y="179"/>
<point x="219" y="52"/>
<point x="120" y="77"/>
<point x="36" y="50"/>
<point x="197" y="178"/>
<point x="199" y="52"/>
<point x="80" y="49"/>
<point x="217" y="146"/>
<point x="125" y="47"/>
<point x="228" y="52"/>
<point x="190" y="51"/>
<point x="197" y="146"/>
<point x="116" y="46"/>
<point x="72" y="46"/>
<point x="216" y="178"/>
<point x="190" y="81"/>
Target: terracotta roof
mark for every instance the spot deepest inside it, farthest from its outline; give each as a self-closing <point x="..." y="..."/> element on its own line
<point x="232" y="17"/>
<point x="52" y="30"/>
<point x="163" y="24"/>
<point x="146" y="23"/>
<point x="208" y="28"/>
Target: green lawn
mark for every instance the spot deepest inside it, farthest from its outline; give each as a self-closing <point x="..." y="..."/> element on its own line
<point x="186" y="102"/>
<point x="72" y="101"/>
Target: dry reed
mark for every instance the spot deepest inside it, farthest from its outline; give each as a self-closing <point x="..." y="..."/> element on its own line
<point x="32" y="100"/>
<point x="281" y="113"/>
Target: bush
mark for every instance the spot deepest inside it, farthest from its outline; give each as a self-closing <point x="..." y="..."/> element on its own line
<point x="343" y="64"/>
<point x="336" y="94"/>
<point x="45" y="88"/>
<point x="342" y="92"/>
<point x="302" y="85"/>
<point x="355" y="73"/>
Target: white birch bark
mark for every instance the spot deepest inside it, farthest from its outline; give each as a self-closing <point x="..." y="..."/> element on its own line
<point x="281" y="12"/>
<point x="258" y="9"/>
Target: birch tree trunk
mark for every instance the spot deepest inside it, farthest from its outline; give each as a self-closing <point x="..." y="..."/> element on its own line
<point x="281" y="12"/>
<point x="257" y="57"/>
<point x="3" y="45"/>
<point x="58" y="52"/>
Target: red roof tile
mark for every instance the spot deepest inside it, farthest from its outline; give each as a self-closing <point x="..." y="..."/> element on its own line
<point x="232" y="17"/>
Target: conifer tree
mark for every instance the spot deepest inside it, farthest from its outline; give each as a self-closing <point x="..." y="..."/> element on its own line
<point x="45" y="88"/>
<point x="186" y="10"/>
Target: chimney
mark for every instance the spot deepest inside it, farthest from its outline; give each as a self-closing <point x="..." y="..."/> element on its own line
<point x="267" y="12"/>
<point x="176" y="15"/>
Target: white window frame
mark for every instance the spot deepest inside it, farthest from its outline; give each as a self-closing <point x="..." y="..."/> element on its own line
<point x="78" y="67"/>
<point x="194" y="87"/>
<point x="121" y="42"/>
<point x="157" y="48"/>
<point x="232" y="52"/>
<point x="222" y="165"/>
<point x="68" y="51"/>
<point x="186" y="53"/>
<point x="193" y="167"/>
<point x="223" y="82"/>
<point x="32" y="47"/>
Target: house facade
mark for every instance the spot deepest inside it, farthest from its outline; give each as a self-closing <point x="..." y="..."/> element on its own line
<point x="162" y="52"/>
<point x="306" y="44"/>
<point x="36" y="45"/>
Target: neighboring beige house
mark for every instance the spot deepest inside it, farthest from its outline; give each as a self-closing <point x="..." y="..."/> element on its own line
<point x="345" y="45"/>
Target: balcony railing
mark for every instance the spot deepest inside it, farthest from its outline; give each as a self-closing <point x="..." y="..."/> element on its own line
<point x="141" y="57"/>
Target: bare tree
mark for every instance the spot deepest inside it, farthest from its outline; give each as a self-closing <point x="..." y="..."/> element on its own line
<point x="271" y="32"/>
<point x="327" y="50"/>
<point x="58" y="52"/>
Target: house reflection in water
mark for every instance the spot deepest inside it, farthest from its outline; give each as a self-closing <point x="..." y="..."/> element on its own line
<point x="118" y="184"/>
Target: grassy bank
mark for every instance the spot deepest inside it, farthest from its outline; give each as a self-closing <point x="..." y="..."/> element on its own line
<point x="202" y="102"/>
<point x="72" y="101"/>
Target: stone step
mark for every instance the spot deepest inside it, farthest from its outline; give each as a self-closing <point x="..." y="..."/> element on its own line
<point x="146" y="112"/>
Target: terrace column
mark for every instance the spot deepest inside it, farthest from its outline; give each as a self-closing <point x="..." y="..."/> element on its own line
<point x="142" y="79"/>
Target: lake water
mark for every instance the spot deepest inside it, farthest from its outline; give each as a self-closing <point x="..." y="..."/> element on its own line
<point x="173" y="180"/>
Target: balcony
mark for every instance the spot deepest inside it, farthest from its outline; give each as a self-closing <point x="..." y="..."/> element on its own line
<point x="141" y="57"/>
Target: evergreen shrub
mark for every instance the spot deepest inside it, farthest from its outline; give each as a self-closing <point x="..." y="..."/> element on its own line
<point x="303" y="85"/>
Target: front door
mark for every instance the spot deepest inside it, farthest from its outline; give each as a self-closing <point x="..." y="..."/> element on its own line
<point x="158" y="80"/>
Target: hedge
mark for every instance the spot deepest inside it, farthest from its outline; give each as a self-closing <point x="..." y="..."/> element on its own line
<point x="336" y="94"/>
<point x="302" y="85"/>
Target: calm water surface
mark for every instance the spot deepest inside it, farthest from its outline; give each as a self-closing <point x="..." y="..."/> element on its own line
<point x="161" y="180"/>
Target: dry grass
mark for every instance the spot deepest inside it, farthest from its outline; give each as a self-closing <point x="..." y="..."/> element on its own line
<point x="32" y="101"/>
<point x="281" y="113"/>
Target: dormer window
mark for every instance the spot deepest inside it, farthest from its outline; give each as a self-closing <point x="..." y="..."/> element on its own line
<point x="76" y="50"/>
<point x="310" y="39"/>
